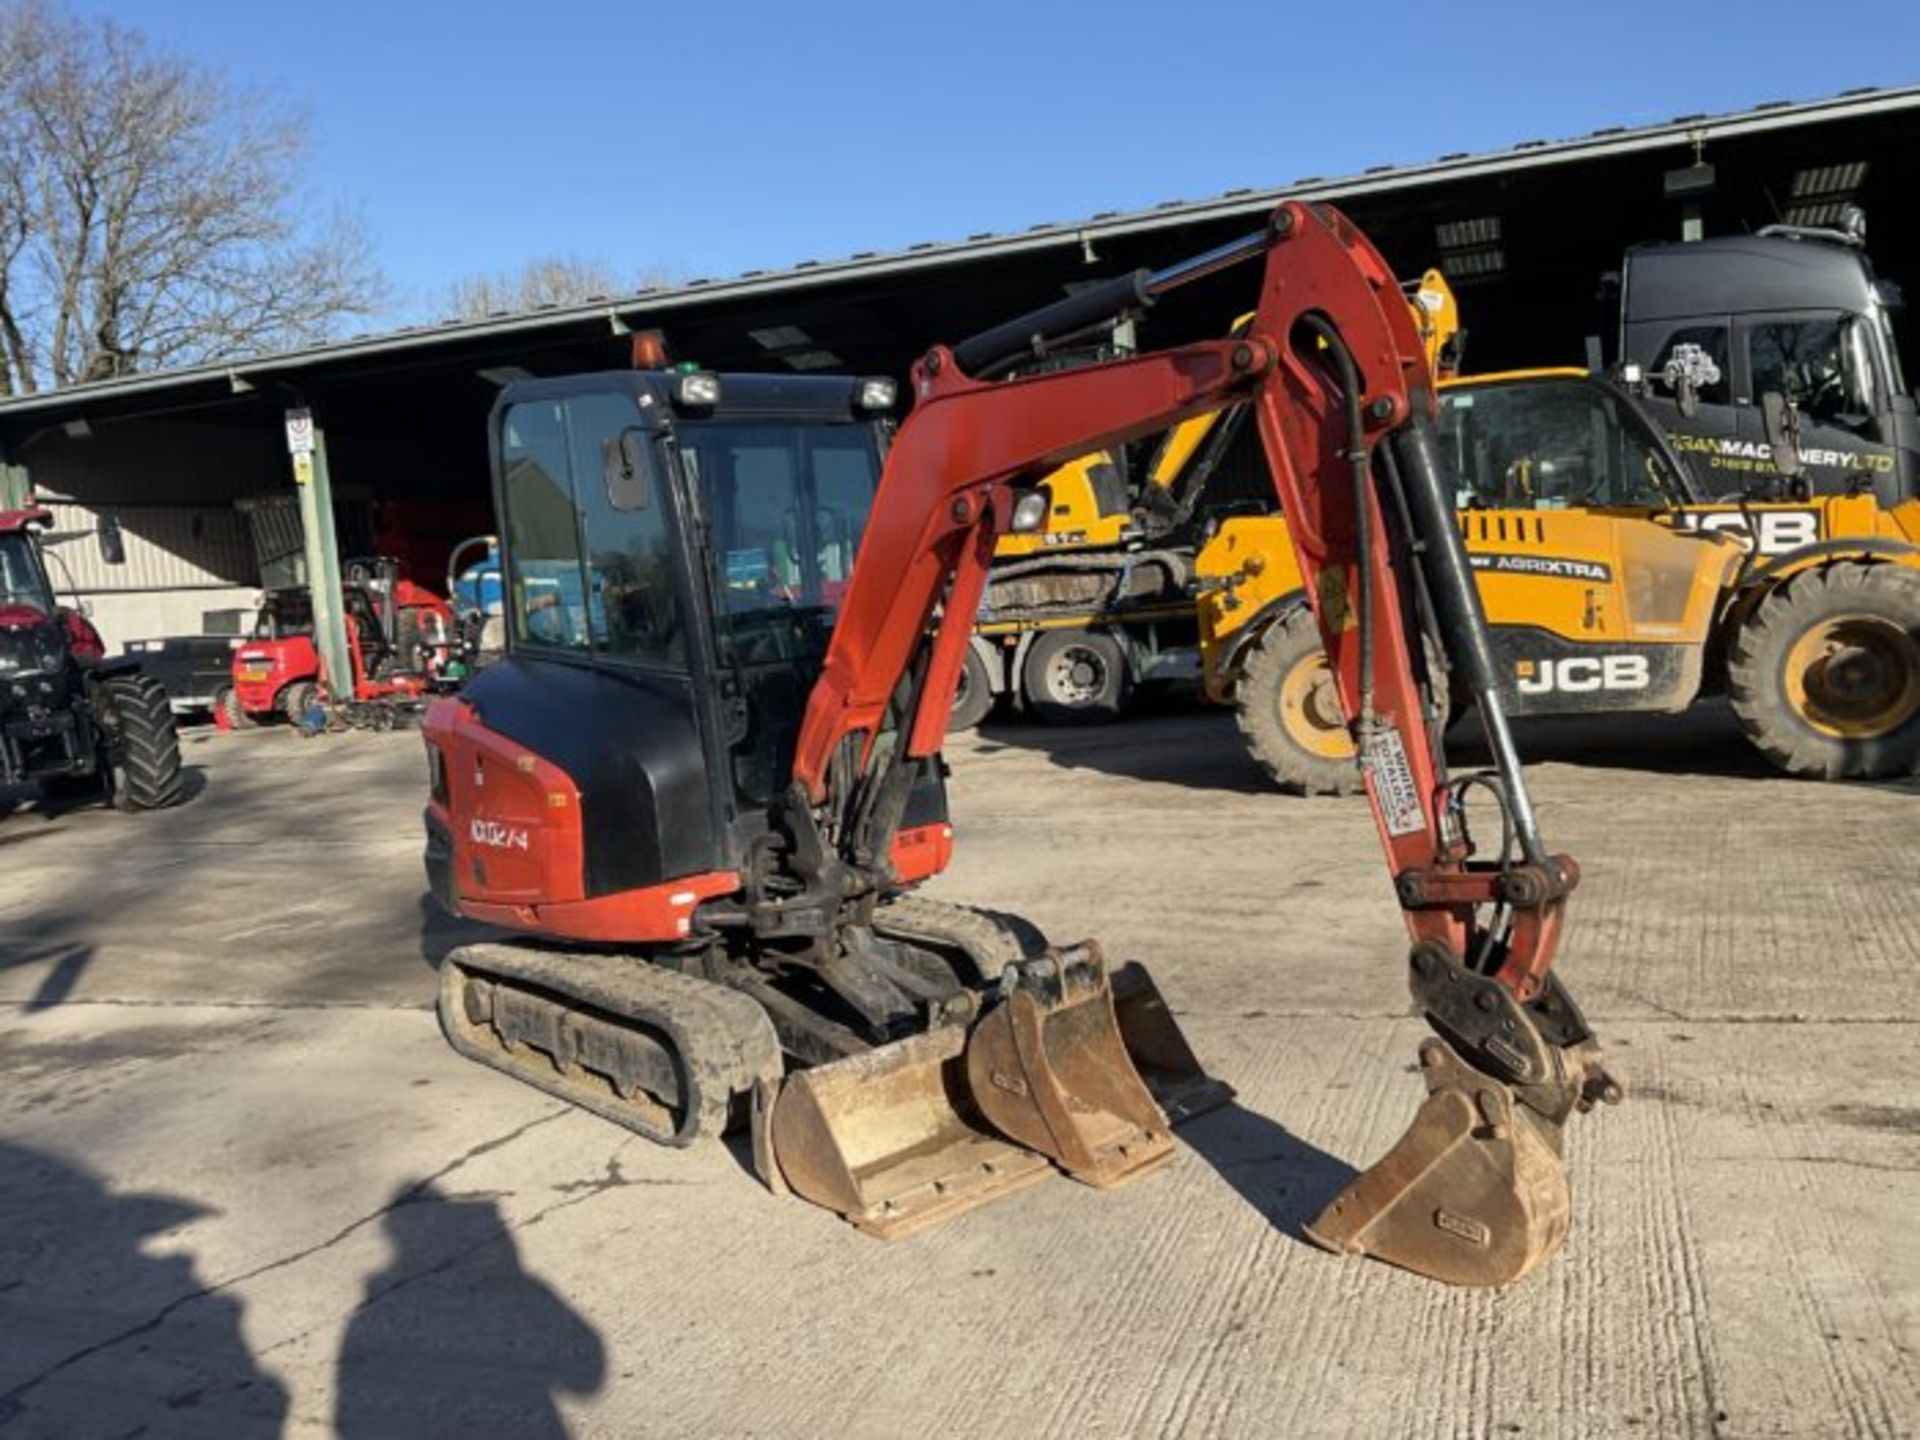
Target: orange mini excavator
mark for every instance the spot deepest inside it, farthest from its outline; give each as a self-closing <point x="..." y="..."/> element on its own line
<point x="706" y="777"/>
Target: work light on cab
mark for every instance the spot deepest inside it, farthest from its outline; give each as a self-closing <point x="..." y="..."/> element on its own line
<point x="697" y="390"/>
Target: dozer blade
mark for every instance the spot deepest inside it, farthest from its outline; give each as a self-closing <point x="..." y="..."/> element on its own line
<point x="887" y="1137"/>
<point x="1475" y="1193"/>
<point x="1048" y="1067"/>
<point x="1159" y="1049"/>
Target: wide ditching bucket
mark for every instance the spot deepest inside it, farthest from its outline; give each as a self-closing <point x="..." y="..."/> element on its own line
<point x="1475" y="1193"/>
<point x="908" y="1134"/>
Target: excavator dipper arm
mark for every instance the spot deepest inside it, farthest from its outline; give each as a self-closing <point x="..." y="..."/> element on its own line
<point x="1338" y="378"/>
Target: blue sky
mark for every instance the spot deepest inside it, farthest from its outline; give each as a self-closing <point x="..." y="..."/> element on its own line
<point x="710" y="137"/>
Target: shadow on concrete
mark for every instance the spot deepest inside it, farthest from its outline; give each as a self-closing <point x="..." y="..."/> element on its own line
<point x="1282" y="1176"/>
<point x="441" y="933"/>
<point x="65" y="959"/>
<point x="453" y="1337"/>
<point x="99" y="1338"/>
<point x="1183" y="743"/>
<point x="1170" y="746"/>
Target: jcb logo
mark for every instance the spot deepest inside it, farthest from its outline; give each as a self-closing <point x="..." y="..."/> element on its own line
<point x="1778" y="530"/>
<point x="1582" y="675"/>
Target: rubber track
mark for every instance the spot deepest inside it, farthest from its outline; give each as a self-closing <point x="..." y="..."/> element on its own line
<point x="723" y="1041"/>
<point x="142" y="722"/>
<point x="990" y="939"/>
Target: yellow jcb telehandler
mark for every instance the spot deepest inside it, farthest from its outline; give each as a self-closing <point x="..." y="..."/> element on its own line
<point x="1612" y="588"/>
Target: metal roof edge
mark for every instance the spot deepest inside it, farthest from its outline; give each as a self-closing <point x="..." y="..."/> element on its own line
<point x="812" y="274"/>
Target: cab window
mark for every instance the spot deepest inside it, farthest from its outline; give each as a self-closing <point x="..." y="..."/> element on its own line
<point x="633" y="609"/>
<point x="547" y="591"/>
<point x="590" y="566"/>
<point x="1811" y="363"/>
<point x="1551" y="444"/>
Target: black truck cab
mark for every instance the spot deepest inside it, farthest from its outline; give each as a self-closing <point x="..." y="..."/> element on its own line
<point x="1790" y="310"/>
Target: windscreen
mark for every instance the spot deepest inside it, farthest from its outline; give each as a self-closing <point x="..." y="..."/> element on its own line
<point x="283" y="614"/>
<point x="784" y="507"/>
<point x="23" y="584"/>
<point x="1552" y="444"/>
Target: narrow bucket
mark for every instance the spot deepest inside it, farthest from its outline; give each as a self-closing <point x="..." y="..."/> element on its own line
<point x="1159" y="1050"/>
<point x="887" y="1138"/>
<point x="1475" y="1193"/>
<point x="1047" y="1066"/>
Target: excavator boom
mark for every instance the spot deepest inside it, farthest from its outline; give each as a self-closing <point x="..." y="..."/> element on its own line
<point x="1338" y="377"/>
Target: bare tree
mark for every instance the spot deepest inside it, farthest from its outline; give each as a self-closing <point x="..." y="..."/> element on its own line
<point x="148" y="212"/>
<point x="550" y="280"/>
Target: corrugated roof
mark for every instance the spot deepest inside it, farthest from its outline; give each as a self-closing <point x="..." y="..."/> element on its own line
<point x="807" y="274"/>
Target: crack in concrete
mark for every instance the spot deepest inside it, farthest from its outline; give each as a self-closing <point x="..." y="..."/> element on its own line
<point x="160" y="1317"/>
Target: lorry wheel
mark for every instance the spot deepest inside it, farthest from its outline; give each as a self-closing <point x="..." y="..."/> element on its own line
<point x="1825" y="673"/>
<point x="137" y="712"/>
<point x="973" y="698"/>
<point x="296" y="700"/>
<point x="1075" y="677"/>
<point x="230" y="707"/>
<point x="1289" y="710"/>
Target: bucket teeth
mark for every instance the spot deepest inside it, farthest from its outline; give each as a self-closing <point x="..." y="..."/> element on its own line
<point x="1475" y="1192"/>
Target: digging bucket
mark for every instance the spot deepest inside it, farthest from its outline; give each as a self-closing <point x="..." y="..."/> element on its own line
<point x="887" y="1137"/>
<point x="1159" y="1050"/>
<point x="1048" y="1067"/>
<point x="1475" y="1192"/>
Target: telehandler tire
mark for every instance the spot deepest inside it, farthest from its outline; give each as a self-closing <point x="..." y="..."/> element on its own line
<point x="1289" y="710"/>
<point x="137" y="712"/>
<point x="1824" y="674"/>
<point x="1289" y="713"/>
<point x="973" y="698"/>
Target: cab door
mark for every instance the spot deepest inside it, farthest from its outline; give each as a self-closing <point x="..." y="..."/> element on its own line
<point x="1595" y="603"/>
<point x="1826" y="365"/>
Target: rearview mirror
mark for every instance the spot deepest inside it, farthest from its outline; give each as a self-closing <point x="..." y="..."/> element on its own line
<point x="113" y="545"/>
<point x="623" y="463"/>
<point x="1783" y="432"/>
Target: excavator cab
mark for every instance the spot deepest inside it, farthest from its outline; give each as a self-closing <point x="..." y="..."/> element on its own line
<point x="675" y="551"/>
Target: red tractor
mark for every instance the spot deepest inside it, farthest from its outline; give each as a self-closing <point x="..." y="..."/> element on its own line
<point x="78" y="724"/>
<point x="400" y="641"/>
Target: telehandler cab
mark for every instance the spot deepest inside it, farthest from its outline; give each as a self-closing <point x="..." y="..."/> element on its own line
<point x="706" y="775"/>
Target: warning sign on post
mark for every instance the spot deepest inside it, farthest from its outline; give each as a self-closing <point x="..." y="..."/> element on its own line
<point x="302" y="469"/>
<point x="300" y="432"/>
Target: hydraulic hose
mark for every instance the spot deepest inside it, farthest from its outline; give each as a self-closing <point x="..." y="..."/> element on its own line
<point x="1362" y="515"/>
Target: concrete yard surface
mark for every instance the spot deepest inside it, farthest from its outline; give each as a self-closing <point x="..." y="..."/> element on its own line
<point x="245" y="1188"/>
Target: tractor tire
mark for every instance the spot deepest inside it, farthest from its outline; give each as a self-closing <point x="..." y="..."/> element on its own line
<point x="237" y="718"/>
<point x="1824" y="674"/>
<point x="1076" y="677"/>
<point x="973" y="698"/>
<point x="296" y="700"/>
<point x="136" y="711"/>
<point x="1290" y="714"/>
